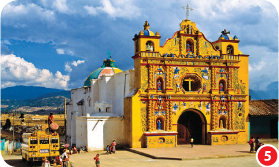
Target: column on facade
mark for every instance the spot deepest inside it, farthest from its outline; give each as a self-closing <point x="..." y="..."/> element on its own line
<point x="149" y="115"/>
<point x="168" y="77"/>
<point x="167" y="115"/>
<point x="150" y="77"/>
<point x="198" y="45"/>
<point x="230" y="79"/>
<point x="229" y="116"/>
<point x="213" y="78"/>
<point x="232" y="115"/>
<point x="170" y="115"/>
<point x="214" y="116"/>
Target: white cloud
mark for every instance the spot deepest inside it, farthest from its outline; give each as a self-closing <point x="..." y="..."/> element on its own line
<point x="90" y="10"/>
<point x="124" y="9"/>
<point x="32" y="11"/>
<point x="60" y="51"/>
<point x="7" y="42"/>
<point x="76" y="63"/>
<point x="17" y="71"/>
<point x="257" y="67"/>
<point x="61" y="6"/>
<point x="68" y="67"/>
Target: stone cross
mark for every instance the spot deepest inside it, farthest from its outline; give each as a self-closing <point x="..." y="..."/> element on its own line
<point x="187" y="8"/>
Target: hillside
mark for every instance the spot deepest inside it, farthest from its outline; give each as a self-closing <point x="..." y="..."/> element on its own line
<point x="30" y="92"/>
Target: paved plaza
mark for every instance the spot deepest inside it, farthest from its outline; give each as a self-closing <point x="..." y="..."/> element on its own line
<point x="198" y="156"/>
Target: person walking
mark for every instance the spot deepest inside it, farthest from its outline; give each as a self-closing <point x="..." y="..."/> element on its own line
<point x="251" y="143"/>
<point x="192" y="142"/>
<point x="97" y="160"/>
<point x="64" y="158"/>
<point x="113" y="146"/>
<point x="257" y="143"/>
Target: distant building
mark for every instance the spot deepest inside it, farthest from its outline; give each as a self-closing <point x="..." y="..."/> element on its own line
<point x="263" y="116"/>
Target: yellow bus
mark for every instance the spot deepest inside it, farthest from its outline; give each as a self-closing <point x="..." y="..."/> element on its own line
<point x="38" y="145"/>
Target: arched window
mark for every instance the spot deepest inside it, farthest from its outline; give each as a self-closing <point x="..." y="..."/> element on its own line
<point x="230" y="49"/>
<point x="189" y="46"/>
<point x="217" y="47"/>
<point x="99" y="110"/>
<point x="149" y="46"/>
<point x="159" y="84"/>
<point x="191" y="82"/>
<point x="108" y="109"/>
<point x="222" y="85"/>
<point x="160" y="123"/>
<point x="222" y="122"/>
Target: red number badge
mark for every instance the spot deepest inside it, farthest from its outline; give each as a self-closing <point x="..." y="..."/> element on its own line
<point x="267" y="155"/>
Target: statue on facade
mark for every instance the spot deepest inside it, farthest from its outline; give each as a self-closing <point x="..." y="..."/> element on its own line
<point x="221" y="89"/>
<point x="176" y="72"/>
<point x="159" y="85"/>
<point x="207" y="110"/>
<point x="158" y="124"/>
<point x="204" y="87"/>
<point x="205" y="73"/>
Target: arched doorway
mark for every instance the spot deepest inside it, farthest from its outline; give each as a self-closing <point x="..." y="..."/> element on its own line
<point x="191" y="124"/>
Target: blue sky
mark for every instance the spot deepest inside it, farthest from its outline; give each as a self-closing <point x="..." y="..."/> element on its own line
<point x="58" y="43"/>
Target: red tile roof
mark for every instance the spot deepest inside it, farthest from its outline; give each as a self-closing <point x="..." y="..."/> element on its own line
<point x="263" y="107"/>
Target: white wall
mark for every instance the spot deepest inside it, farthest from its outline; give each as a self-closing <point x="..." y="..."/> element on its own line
<point x="81" y="132"/>
<point x="106" y="129"/>
<point x="110" y="89"/>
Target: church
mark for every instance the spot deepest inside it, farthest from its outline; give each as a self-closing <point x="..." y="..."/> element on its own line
<point x="189" y="88"/>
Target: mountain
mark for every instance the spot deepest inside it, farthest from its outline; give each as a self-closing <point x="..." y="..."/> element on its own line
<point x="271" y="92"/>
<point x="30" y="92"/>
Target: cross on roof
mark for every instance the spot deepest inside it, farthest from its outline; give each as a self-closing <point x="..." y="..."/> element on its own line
<point x="187" y="8"/>
<point x="109" y="54"/>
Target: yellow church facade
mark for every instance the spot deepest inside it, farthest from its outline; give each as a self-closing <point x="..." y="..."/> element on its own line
<point x="189" y="88"/>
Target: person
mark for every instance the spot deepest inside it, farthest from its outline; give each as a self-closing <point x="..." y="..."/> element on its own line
<point x="192" y="142"/>
<point x="251" y="143"/>
<point x="108" y="149"/>
<point x="64" y="158"/>
<point x="97" y="160"/>
<point x="113" y="146"/>
<point x="257" y="143"/>
<point x="74" y="150"/>
<point x="50" y="121"/>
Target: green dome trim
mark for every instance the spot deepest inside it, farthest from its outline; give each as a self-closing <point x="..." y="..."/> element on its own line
<point x="93" y="75"/>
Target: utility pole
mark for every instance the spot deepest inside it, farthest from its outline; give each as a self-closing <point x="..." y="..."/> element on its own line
<point x="65" y="119"/>
<point x="13" y="132"/>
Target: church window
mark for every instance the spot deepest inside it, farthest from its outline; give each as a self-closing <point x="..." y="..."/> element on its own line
<point x="108" y="109"/>
<point x="230" y="49"/>
<point x="217" y="47"/>
<point x="149" y="46"/>
<point x="191" y="83"/>
<point x="222" y="122"/>
<point x="99" y="110"/>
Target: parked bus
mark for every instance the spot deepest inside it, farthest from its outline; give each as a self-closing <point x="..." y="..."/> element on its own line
<point x="38" y="145"/>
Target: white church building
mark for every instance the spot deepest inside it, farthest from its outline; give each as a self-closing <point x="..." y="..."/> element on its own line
<point x="95" y="111"/>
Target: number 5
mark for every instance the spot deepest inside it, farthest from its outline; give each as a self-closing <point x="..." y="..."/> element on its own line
<point x="267" y="155"/>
